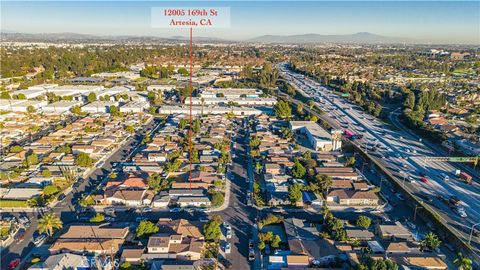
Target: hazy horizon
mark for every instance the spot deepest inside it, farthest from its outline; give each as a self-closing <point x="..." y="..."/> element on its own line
<point x="453" y="22"/>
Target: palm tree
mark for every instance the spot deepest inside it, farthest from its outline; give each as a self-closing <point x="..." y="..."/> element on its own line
<point x="49" y="222"/>
<point x="431" y="241"/>
<point x="463" y="262"/>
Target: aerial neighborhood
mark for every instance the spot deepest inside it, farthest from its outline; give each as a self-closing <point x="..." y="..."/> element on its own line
<point x="281" y="152"/>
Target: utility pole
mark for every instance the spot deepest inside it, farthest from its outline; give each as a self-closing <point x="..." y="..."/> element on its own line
<point x="471" y="232"/>
<point x="415" y="212"/>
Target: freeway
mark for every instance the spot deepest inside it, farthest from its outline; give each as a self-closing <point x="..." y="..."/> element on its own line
<point x="399" y="152"/>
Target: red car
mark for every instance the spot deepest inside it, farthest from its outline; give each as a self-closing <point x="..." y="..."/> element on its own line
<point x="424" y="179"/>
<point x="13" y="264"/>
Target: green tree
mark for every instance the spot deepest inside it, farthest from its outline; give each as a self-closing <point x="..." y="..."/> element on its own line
<point x="130" y="129"/>
<point x="364" y="222"/>
<point x="283" y="110"/>
<point x="462" y="262"/>
<point x="350" y="162"/>
<point x="31" y="109"/>
<point x="21" y="96"/>
<point x="324" y="182"/>
<point x="183" y="71"/>
<point x="157" y="183"/>
<point x="86" y="201"/>
<point x="91" y="97"/>
<point x="50" y="190"/>
<point x="217" y="198"/>
<point x="146" y="228"/>
<point x="298" y="171"/>
<point x="115" y="111"/>
<point x="48" y="223"/>
<point x="254" y="142"/>
<point x="431" y="241"/>
<point x="16" y="149"/>
<point x="83" y="160"/>
<point x="76" y="110"/>
<point x="99" y="217"/>
<point x="276" y="241"/>
<point x="295" y="193"/>
<point x="5" y="95"/>
<point x="125" y="265"/>
<point x="46" y="173"/>
<point x="212" y="230"/>
<point x="31" y="159"/>
<point x="409" y="102"/>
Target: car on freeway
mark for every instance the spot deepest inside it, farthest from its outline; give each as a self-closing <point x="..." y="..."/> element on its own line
<point x="424" y="179"/>
<point x="228" y="248"/>
<point x="400" y="196"/>
<point x="426" y="197"/>
<point x="410" y="179"/>
<point x="461" y="212"/>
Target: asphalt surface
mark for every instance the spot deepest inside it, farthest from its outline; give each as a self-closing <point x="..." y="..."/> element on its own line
<point x="401" y="153"/>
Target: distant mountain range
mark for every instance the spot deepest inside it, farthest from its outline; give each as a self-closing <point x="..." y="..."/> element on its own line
<point x="79" y="38"/>
<point x="362" y="38"/>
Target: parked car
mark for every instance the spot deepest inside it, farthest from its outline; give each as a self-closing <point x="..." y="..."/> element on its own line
<point x="13" y="263"/>
<point x="250" y="243"/>
<point x="228" y="234"/>
<point x="227" y="226"/>
<point x="251" y="254"/>
<point x="175" y="210"/>
<point x="37" y="240"/>
<point x="19" y="235"/>
<point x="228" y="248"/>
<point x="146" y="209"/>
<point x="61" y="197"/>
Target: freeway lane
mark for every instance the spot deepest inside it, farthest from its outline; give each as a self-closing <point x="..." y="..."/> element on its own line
<point x="399" y="152"/>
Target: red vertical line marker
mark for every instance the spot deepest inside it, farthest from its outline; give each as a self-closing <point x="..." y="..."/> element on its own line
<point x="191" y="117"/>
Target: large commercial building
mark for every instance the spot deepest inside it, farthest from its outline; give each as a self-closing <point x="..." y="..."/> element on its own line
<point x="319" y="138"/>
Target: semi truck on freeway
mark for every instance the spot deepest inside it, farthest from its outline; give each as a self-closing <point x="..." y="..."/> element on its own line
<point x="464" y="176"/>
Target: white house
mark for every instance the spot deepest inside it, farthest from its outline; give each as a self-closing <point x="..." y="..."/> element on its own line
<point x="195" y="201"/>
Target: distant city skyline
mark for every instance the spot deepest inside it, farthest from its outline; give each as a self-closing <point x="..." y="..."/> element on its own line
<point x="431" y="21"/>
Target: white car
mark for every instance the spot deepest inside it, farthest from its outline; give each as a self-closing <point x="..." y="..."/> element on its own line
<point x="462" y="213"/>
<point x="229" y="234"/>
<point x="228" y="248"/>
<point x="227" y="226"/>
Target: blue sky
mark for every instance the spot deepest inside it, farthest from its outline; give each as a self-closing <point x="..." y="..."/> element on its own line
<point x="434" y="21"/>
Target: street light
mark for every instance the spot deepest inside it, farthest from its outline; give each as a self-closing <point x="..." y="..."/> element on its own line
<point x="471" y="232"/>
<point x="415" y="212"/>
